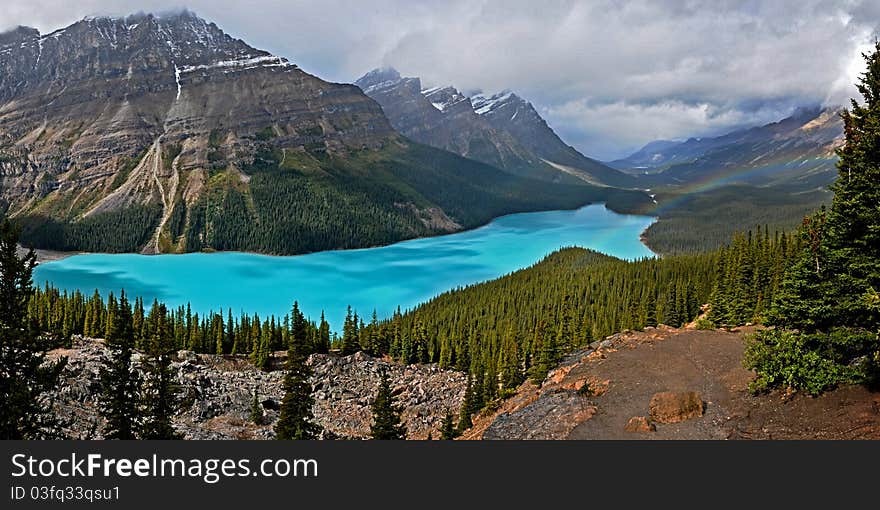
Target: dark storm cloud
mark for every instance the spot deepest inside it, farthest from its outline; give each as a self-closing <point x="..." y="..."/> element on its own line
<point x="608" y="75"/>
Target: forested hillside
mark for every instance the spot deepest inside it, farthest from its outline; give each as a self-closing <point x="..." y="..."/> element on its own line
<point x="707" y="220"/>
<point x="500" y="332"/>
<point x="298" y="202"/>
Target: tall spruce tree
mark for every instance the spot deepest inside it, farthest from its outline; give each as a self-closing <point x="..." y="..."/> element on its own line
<point x="120" y="383"/>
<point x="25" y="410"/>
<point x="829" y="295"/>
<point x="296" y="420"/>
<point x="448" y="431"/>
<point x="386" y="413"/>
<point x="256" y="410"/>
<point x="350" y="343"/>
<point x="160" y="393"/>
<point x="838" y="275"/>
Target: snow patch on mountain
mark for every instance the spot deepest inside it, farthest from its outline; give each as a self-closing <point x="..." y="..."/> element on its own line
<point x="442" y="98"/>
<point x="484" y="104"/>
<point x="240" y="64"/>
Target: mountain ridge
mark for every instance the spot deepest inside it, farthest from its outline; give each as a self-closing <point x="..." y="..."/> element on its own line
<point x="481" y="127"/>
<point x="164" y="134"/>
<point x="796" y="152"/>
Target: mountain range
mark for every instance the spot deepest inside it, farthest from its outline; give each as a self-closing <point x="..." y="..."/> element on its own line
<point x="164" y="134"/>
<point x="796" y="153"/>
<point x="502" y="130"/>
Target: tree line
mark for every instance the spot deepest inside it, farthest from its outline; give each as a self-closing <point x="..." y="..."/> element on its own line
<point x="499" y="333"/>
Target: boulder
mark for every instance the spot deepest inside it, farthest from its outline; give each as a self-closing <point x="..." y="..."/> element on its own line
<point x="671" y="407"/>
<point x="639" y="424"/>
<point x="190" y="356"/>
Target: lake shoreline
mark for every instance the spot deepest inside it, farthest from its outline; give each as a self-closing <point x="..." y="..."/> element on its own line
<point x="44" y="255"/>
<point x="403" y="274"/>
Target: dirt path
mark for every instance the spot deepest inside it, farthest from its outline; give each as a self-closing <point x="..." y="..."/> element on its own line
<point x="627" y="370"/>
<point x="707" y="362"/>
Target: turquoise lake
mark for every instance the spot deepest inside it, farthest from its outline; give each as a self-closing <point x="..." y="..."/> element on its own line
<point x="403" y="274"/>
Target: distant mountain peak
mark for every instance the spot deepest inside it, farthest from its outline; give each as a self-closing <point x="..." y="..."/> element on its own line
<point x="487" y="104"/>
<point x="379" y="78"/>
<point x="445" y="97"/>
<point x="500" y="129"/>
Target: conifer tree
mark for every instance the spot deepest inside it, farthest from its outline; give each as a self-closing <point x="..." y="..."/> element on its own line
<point x="256" y="410"/>
<point x="386" y="413"/>
<point x="160" y="395"/>
<point x="838" y="271"/>
<point x="511" y="373"/>
<point x="350" y="344"/>
<point x="448" y="431"/>
<point x="25" y="376"/>
<point x="296" y="420"/>
<point x="829" y="295"/>
<point x="546" y="353"/>
<point x="299" y="328"/>
<point x="651" y="309"/>
<point x="323" y="346"/>
<point x="120" y="383"/>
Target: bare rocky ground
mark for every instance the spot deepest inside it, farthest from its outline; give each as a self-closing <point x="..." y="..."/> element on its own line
<point x="47" y="255"/>
<point x="661" y="383"/>
<point x="650" y="384"/>
<point x="217" y="393"/>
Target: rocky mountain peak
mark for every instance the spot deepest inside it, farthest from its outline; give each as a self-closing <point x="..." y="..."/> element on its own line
<point x="158" y="45"/>
<point x="501" y="129"/>
<point x="378" y="78"/>
<point x="505" y="104"/>
<point x="18" y="35"/>
<point x="486" y="103"/>
<point x="137" y="110"/>
<point x="446" y="98"/>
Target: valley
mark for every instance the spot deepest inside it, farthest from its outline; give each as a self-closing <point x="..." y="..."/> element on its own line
<point x="382" y="279"/>
<point x="230" y="247"/>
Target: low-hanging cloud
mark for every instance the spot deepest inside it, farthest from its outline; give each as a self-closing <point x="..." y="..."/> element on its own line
<point x="609" y="75"/>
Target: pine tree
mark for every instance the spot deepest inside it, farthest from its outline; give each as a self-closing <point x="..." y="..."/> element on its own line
<point x="651" y="309"/>
<point x="350" y="344"/>
<point x="120" y="384"/>
<point x="295" y="420"/>
<point x="323" y="346"/>
<point x="160" y="395"/>
<point x="511" y="373"/>
<point x="547" y="354"/>
<point x="299" y="328"/>
<point x="829" y="295"/>
<point x="232" y="337"/>
<point x="470" y="405"/>
<point x="256" y="410"/>
<point x="448" y="431"/>
<point x="853" y="223"/>
<point x="386" y="413"/>
<point x="838" y="272"/>
<point x="25" y="411"/>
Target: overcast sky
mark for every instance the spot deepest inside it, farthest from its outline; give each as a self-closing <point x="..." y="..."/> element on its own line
<point x="609" y="75"/>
